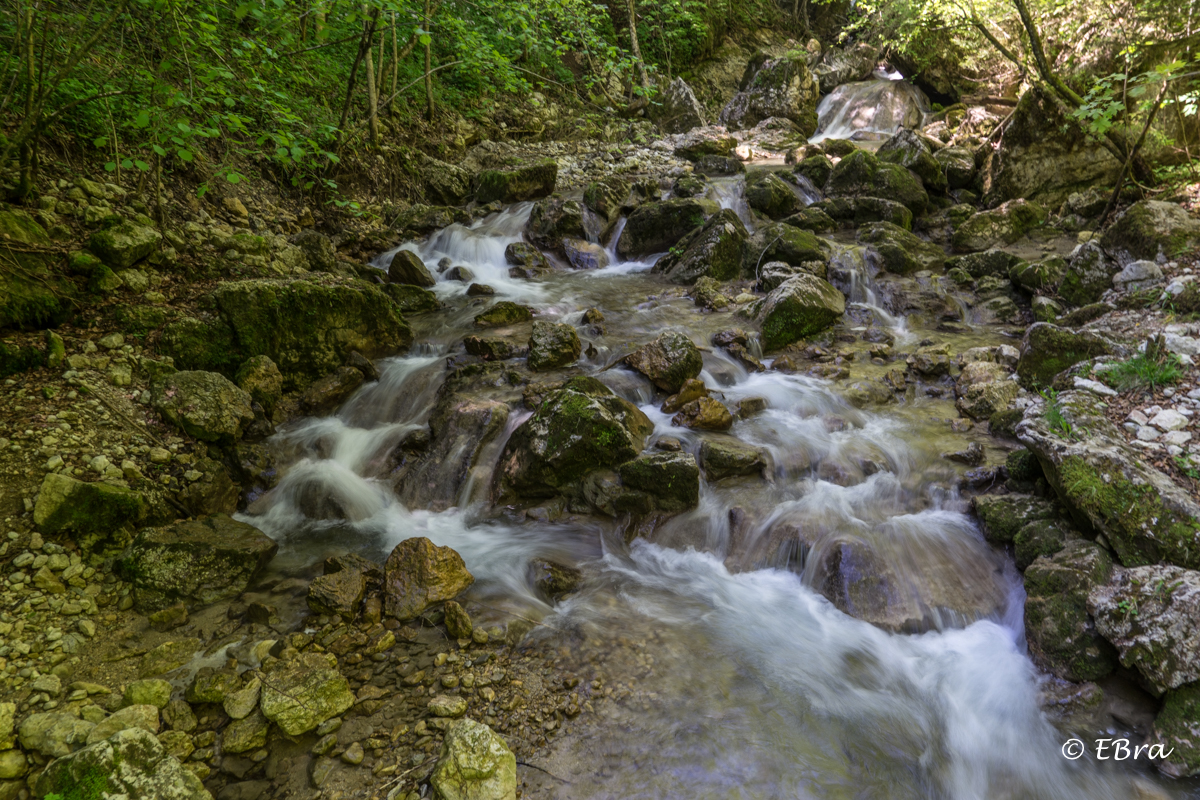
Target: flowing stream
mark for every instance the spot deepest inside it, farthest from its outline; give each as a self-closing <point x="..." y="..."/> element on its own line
<point x="748" y="677"/>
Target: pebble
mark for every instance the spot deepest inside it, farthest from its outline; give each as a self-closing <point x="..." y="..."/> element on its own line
<point x="1169" y="420"/>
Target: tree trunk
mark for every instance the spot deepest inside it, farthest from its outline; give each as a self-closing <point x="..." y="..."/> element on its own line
<point x="395" y="67"/>
<point x="428" y="66"/>
<point x="633" y="44"/>
<point x="372" y="93"/>
<point x="26" y="155"/>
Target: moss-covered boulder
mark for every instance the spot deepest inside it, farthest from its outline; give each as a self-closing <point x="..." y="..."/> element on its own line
<point x="1177" y="731"/>
<point x="419" y="574"/>
<point x="34" y="296"/>
<point x="131" y="764"/>
<point x="1062" y="635"/>
<point x="1002" y="516"/>
<point x="668" y="361"/>
<point x="815" y="220"/>
<point x="206" y="405"/>
<point x="1036" y="276"/>
<point x="781" y="87"/>
<point x="788" y="244"/>
<point x="100" y="518"/>
<point x="656" y="227"/>
<point x="1048" y="349"/>
<point x="718" y="166"/>
<point x="817" y="168"/>
<point x="1004" y="224"/>
<point x="861" y="210"/>
<point x="994" y="262"/>
<point x="800" y="307"/>
<point x="1151" y="615"/>
<point x="123" y="245"/>
<point x="862" y="174"/>
<point x="510" y="186"/>
<point x="1151" y="230"/>
<point x="1109" y="487"/>
<point x="578" y="428"/>
<point x="553" y="220"/>
<point x="474" y="764"/>
<point x="412" y="299"/>
<point x="958" y="165"/>
<point x="714" y="250"/>
<point x="197" y="562"/>
<point x="726" y="457"/>
<point x="770" y="195"/>
<point x="913" y="153"/>
<point x="670" y="480"/>
<point x="553" y="345"/>
<point x="605" y="198"/>
<point x="1088" y="275"/>
<point x="307" y="327"/>
<point x="407" y="268"/>
<point x="14" y="359"/>
<point x="261" y="379"/>
<point x="901" y="252"/>
<point x="1039" y="538"/>
<point x="503" y="314"/>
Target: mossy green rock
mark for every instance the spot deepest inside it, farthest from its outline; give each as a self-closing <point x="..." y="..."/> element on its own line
<point x="147" y="692"/>
<point x="307" y="327"/>
<point x="1088" y="276"/>
<point x="901" y="252"/>
<point x="714" y="250"/>
<point x="552" y="220"/>
<point x="125" y="244"/>
<point x="1004" y="224"/>
<point x="1149" y="230"/>
<point x="474" y="764"/>
<point x="407" y="269"/>
<point x="800" y="307"/>
<point x="299" y="695"/>
<point x="994" y="262"/>
<point x="15" y="359"/>
<point x="727" y="457"/>
<point x="206" y="405"/>
<point x="1061" y="634"/>
<point x="1037" y="275"/>
<point x="862" y="174"/>
<point x="1177" y="729"/>
<point x="246" y="734"/>
<point x="419" y="574"/>
<point x="1041" y="538"/>
<point x="1108" y="487"/>
<point x="816" y="168"/>
<point x="99" y="517"/>
<point x="1048" y="349"/>
<point x="914" y="154"/>
<point x="412" y="299"/>
<point x="261" y="379"/>
<point x="197" y="562"/>
<point x="168" y="656"/>
<point x="579" y="428"/>
<point x="668" y="361"/>
<point x="131" y="764"/>
<point x="779" y="241"/>
<point x="815" y="220"/>
<point x="553" y="345"/>
<point x="606" y="197"/>
<point x="526" y="183"/>
<point x="656" y="227"/>
<point x="34" y="296"/>
<point x="503" y="314"/>
<point x="768" y="194"/>
<point x="672" y="480"/>
<point x="958" y="164"/>
<point x="143" y="717"/>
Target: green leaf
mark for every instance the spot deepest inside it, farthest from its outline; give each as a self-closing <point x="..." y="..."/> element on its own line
<point x="127" y="164"/>
<point x="184" y="154"/>
<point x="142" y="120"/>
<point x="158" y="151"/>
<point x="110" y="166"/>
<point x="142" y="165"/>
<point x="100" y="141"/>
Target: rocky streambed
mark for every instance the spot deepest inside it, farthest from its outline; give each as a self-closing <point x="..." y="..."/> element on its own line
<point x="812" y="479"/>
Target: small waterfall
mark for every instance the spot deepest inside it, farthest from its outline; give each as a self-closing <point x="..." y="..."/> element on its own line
<point x="731" y="193"/>
<point x="872" y="109"/>
<point x="853" y="269"/>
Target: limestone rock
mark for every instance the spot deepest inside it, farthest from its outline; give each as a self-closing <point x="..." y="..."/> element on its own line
<point x="553" y="345"/>
<point x="205" y="405"/>
<point x="151" y="692"/>
<point x="1152" y="615"/>
<point x="408" y="268"/>
<point x="144" y="717"/>
<point x="1048" y="349"/>
<point x="672" y="480"/>
<point x="1150" y="230"/>
<point x="168" y="656"/>
<point x="526" y="183"/>
<point x="131" y="764"/>
<point x="577" y="428"/>
<point x="262" y="380"/>
<point x="123" y="245"/>
<point x="419" y="574"/>
<point x="780" y="87"/>
<point x="656" y="227"/>
<point x="53" y="734"/>
<point x="503" y="314"/>
<point x="680" y="111"/>
<point x="338" y="593"/>
<point x="554" y="579"/>
<point x="475" y="764"/>
<point x="727" y="458"/>
<point x="913" y="153"/>
<point x="714" y="250"/>
<point x="328" y="392"/>
<point x="1088" y="276"/>
<point x="301" y="694"/>
<point x="582" y="254"/>
<point x="862" y="174"/>
<point x="901" y="252"/>
<point x="246" y="734"/>
<point x="800" y="307"/>
<point x="1177" y="728"/>
<point x="767" y="194"/>
<point x="668" y="361"/>
<point x="458" y="621"/>
<point x="99" y="517"/>
<point x="198" y="562"/>
<point x="1061" y="633"/>
<point x="1004" y="224"/>
<point x="704" y="414"/>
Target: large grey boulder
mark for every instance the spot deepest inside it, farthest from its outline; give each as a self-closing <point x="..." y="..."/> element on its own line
<point x="1152" y="615"/>
<point x="782" y="87"/>
<point x="419" y="574"/>
<point x="714" y="250"/>
<point x="1152" y="230"/>
<point x="838" y="66"/>
<point x="668" y="361"/>
<point x="800" y="307"/>
<point x="1107" y="485"/>
<point x="680" y="110"/>
<point x="197" y="562"/>
<point x="656" y="227"/>
<point x="132" y="764"/>
<point x="1088" y="276"/>
<point x="53" y="734"/>
<point x="1004" y="224"/>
